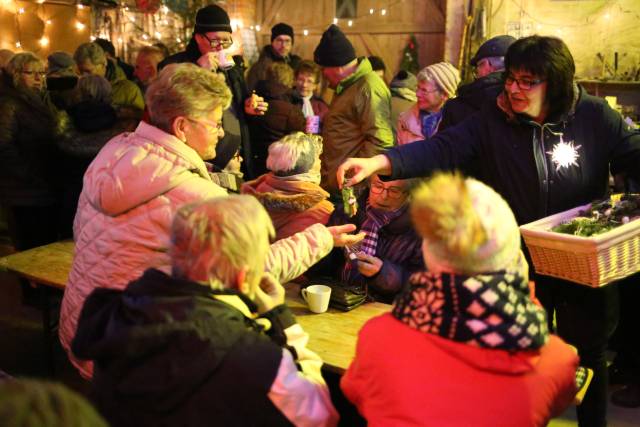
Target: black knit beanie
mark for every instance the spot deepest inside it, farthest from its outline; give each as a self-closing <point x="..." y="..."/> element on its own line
<point x="280" y="30"/>
<point x="212" y="18"/>
<point x="334" y="49"/>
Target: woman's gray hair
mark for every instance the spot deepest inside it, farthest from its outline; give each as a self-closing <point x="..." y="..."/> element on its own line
<point x="294" y="154"/>
<point x="212" y="241"/>
<point x="185" y="90"/>
<point x="91" y="87"/>
<point x="91" y="52"/>
<point x="17" y="63"/>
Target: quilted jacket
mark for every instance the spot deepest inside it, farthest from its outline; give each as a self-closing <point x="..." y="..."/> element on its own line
<point x="130" y="194"/>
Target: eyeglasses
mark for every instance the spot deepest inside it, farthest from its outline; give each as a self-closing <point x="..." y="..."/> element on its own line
<point x="523" y="84"/>
<point x="427" y="91"/>
<point x="216" y="43"/>
<point x="392" y="192"/>
<point x="208" y="124"/>
<point x="34" y="73"/>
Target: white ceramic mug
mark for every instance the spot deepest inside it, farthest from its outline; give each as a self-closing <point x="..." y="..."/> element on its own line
<point x="317" y="297"/>
<point x="224" y="61"/>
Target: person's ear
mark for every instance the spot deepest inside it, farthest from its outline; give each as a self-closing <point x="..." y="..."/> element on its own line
<point x="178" y="128"/>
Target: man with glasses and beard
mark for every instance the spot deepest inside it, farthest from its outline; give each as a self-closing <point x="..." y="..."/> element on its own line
<point x="208" y="49"/>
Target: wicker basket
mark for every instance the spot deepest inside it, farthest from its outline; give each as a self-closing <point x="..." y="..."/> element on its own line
<point x="594" y="261"/>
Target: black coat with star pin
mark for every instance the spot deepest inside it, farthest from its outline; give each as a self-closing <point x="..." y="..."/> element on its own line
<point x="539" y="169"/>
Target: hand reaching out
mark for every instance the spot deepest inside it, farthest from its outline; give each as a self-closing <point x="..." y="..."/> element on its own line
<point x="268" y="294"/>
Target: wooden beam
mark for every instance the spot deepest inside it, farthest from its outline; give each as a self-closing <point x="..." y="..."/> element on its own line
<point x="381" y="29"/>
<point x="271" y="15"/>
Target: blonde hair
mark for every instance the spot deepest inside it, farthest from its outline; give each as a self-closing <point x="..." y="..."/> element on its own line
<point x="16" y="65"/>
<point x="467" y="226"/>
<point x="185" y="90"/>
<point x="295" y="153"/>
<point x="92" y="52"/>
<point x="442" y="211"/>
<point x="213" y="240"/>
<point x="150" y="51"/>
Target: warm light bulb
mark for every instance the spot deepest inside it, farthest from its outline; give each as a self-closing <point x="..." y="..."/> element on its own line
<point x="92" y="38"/>
<point x="126" y="8"/>
<point x="257" y="27"/>
<point x="607" y="16"/>
<point x="350" y="23"/>
<point x="145" y="37"/>
<point x="21" y="10"/>
<point x="165" y="9"/>
<point x="79" y="26"/>
<point x="179" y="40"/>
<point x="39" y="1"/>
<point x="383" y="11"/>
<point x="18" y="45"/>
<point x="371" y="11"/>
<point x="305" y="32"/>
<point x="80" y="6"/>
<point x="335" y="21"/>
<point x="132" y="19"/>
<point x="120" y="40"/>
<point x="47" y="22"/>
<point x="158" y="35"/>
<point x="251" y="27"/>
<point x="44" y="41"/>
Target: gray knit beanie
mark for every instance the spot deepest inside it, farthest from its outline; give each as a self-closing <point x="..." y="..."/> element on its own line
<point x="444" y="75"/>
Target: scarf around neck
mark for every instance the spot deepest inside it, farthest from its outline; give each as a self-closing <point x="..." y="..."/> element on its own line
<point x="490" y="310"/>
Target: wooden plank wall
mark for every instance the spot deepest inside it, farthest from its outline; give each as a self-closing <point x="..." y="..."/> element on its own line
<point x="371" y="34"/>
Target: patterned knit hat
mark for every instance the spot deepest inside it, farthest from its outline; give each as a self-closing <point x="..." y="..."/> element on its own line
<point x="443" y="74"/>
<point x="467" y="226"/>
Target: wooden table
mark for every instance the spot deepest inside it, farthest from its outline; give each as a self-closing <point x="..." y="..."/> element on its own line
<point x="333" y="334"/>
<point x="45" y="267"/>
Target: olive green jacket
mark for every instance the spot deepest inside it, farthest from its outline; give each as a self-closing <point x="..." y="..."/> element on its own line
<point x="358" y="123"/>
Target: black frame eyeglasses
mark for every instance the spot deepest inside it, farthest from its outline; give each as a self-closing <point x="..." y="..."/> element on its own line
<point x="392" y="192"/>
<point x="216" y="43"/>
<point x="524" y="83"/>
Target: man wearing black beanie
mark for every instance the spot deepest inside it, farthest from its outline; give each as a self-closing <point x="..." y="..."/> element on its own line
<point x="359" y="120"/>
<point x="279" y="50"/>
<point x="211" y="37"/>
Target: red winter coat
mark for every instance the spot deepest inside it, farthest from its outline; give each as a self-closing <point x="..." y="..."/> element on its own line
<point x="403" y="377"/>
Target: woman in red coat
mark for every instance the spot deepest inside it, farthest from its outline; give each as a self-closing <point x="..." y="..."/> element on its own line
<point x="464" y="344"/>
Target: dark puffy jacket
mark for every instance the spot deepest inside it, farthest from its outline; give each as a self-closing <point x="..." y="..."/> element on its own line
<point x="470" y="98"/>
<point x="234" y="78"/>
<point x="268" y="56"/>
<point x="515" y="155"/>
<point x="399" y="248"/>
<point x="167" y="353"/>
<point x="95" y="124"/>
<point x="30" y="130"/>
<point x="282" y="118"/>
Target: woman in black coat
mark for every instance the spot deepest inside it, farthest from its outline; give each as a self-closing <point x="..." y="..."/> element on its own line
<point x="546" y="146"/>
<point x="30" y="128"/>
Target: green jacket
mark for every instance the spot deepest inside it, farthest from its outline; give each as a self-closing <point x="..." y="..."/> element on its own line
<point x="124" y="93"/>
<point x="358" y="123"/>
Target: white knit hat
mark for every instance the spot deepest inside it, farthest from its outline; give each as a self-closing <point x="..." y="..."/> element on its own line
<point x="467" y="226"/>
<point x="443" y="74"/>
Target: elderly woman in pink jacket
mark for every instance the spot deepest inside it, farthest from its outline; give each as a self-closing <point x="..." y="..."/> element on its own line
<point x="138" y="181"/>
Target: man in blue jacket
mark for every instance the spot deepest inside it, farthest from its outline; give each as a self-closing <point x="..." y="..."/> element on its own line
<point x="546" y="146"/>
